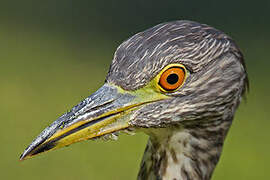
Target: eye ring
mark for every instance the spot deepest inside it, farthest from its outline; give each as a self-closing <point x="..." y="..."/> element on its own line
<point x="172" y="78"/>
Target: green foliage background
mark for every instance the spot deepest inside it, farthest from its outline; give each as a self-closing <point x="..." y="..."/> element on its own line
<point x="55" y="53"/>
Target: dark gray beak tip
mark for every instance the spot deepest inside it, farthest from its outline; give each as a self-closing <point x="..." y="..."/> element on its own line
<point x="36" y="146"/>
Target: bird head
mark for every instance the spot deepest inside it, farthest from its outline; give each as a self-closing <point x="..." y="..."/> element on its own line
<point x="170" y="75"/>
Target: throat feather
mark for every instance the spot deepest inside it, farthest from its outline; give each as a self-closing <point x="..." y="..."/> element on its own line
<point x="180" y="154"/>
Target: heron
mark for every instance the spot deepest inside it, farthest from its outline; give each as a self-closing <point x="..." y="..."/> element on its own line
<point x="180" y="83"/>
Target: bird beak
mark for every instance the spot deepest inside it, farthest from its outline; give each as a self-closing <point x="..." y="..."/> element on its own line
<point x="106" y="111"/>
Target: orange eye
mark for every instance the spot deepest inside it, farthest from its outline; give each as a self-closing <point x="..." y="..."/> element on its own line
<point x="172" y="78"/>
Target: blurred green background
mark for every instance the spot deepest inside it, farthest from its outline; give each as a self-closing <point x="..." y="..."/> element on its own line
<point x="55" y="53"/>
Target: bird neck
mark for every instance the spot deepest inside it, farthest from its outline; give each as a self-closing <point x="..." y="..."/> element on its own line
<point x="189" y="152"/>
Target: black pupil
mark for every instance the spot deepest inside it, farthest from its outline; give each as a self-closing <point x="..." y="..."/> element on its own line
<point x="172" y="78"/>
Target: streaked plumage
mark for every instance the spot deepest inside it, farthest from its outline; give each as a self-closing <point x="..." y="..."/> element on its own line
<point x="187" y="127"/>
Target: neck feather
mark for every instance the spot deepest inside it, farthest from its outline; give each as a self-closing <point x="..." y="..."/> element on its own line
<point x="183" y="153"/>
